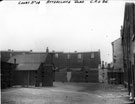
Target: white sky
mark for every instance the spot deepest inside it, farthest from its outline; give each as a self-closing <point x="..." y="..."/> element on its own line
<point x="61" y="27"/>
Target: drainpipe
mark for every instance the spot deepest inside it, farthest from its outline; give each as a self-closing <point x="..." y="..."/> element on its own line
<point x="133" y="81"/>
<point x="134" y="53"/>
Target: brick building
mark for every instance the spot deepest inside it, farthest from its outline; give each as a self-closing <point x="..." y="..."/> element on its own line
<point x="7" y="70"/>
<point x="82" y="65"/>
<point x="30" y="68"/>
<point x="33" y="69"/>
<point x="29" y="63"/>
<point x="115" y="75"/>
<point x="117" y="55"/>
<point x="128" y="44"/>
<point x="77" y="60"/>
<point x="7" y="54"/>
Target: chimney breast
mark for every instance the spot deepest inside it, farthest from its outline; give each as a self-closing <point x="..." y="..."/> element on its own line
<point x="47" y="50"/>
<point x="14" y="61"/>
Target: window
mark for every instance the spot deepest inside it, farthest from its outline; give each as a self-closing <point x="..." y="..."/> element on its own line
<point x="23" y="53"/>
<point x="11" y="55"/>
<point x="114" y="60"/>
<point x="79" y="56"/>
<point x="68" y="56"/>
<point x="92" y="55"/>
<point x="56" y="55"/>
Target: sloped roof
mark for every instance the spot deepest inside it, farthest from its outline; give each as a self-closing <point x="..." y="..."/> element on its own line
<point x="28" y="61"/>
<point x="27" y="67"/>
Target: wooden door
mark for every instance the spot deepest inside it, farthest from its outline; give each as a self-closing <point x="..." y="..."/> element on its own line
<point x="47" y="75"/>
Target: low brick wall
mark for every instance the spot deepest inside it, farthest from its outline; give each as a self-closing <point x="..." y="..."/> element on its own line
<point x="60" y="77"/>
<point x="78" y="76"/>
<point x="93" y="76"/>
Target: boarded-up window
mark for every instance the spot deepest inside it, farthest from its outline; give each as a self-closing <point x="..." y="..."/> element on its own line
<point x="92" y="55"/>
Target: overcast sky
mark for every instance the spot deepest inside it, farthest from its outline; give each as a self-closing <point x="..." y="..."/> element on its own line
<point x="61" y="27"/>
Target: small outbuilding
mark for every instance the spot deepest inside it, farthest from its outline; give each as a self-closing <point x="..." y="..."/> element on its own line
<point x="35" y="69"/>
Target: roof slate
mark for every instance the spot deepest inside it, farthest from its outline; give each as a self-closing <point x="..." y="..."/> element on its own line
<point x="28" y="61"/>
<point x="28" y="67"/>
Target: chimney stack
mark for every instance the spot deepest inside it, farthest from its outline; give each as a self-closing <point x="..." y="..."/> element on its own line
<point x="47" y="50"/>
<point x="14" y="61"/>
<point x="31" y="51"/>
<point x="9" y="50"/>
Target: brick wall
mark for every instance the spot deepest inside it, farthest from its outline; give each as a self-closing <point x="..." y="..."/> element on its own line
<point x="78" y="76"/>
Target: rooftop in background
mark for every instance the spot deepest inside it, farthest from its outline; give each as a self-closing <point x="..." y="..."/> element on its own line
<point x="6" y="54"/>
<point x="28" y="61"/>
<point x="28" y="58"/>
